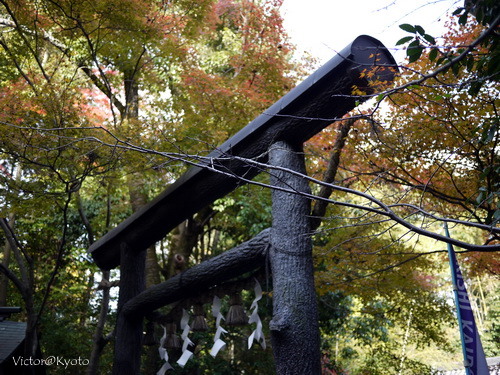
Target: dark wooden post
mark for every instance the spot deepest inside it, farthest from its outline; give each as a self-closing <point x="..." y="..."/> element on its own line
<point x="129" y="329"/>
<point x="294" y="326"/>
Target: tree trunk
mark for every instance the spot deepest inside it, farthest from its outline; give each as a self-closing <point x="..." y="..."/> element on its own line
<point x="185" y="238"/>
<point x="98" y="339"/>
<point x="26" y="288"/>
<point x="294" y="326"/>
<point x="31" y="338"/>
<point x="99" y="342"/>
<point x="4" y="280"/>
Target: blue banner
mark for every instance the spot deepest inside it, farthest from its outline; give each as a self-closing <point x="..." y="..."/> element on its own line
<point x="474" y="358"/>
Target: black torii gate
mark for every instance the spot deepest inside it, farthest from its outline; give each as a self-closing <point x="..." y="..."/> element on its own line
<point x="274" y="137"/>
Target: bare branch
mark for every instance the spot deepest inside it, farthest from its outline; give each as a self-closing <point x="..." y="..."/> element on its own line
<point x="14" y="245"/>
<point x="375" y="205"/>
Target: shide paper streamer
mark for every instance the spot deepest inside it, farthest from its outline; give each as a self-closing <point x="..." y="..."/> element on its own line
<point x="218" y="343"/>
<point x="186" y="354"/>
<point x="257" y="334"/>
<point x="163" y="354"/>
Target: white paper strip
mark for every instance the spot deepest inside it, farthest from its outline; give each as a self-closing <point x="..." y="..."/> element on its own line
<point x="187" y="342"/>
<point x="163" y="354"/>
<point x="185" y="338"/>
<point x="184" y="358"/>
<point x="216" y="304"/>
<point x="218" y="343"/>
<point x="166" y="366"/>
<point x="257" y="334"/>
<point x="258" y="295"/>
<point x="184" y="319"/>
<point x="186" y="354"/>
<point x="219" y="332"/>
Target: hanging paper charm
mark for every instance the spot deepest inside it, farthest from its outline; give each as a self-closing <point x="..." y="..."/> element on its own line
<point x="163" y="354"/>
<point x="218" y="343"/>
<point x="257" y="334"/>
<point x="186" y="354"/>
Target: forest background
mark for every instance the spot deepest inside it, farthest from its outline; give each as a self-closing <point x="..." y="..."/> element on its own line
<point x="105" y="103"/>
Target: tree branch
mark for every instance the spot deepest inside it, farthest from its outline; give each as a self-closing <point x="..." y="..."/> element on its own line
<point x="25" y="275"/>
<point x="320" y="206"/>
<point x="12" y="277"/>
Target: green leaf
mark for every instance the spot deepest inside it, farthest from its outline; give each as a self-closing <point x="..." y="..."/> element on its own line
<point x="415" y="54"/>
<point x="496" y="215"/>
<point x="493" y="64"/>
<point x="414" y="44"/>
<point x="480" y="15"/>
<point x="463" y="19"/>
<point x="489" y="133"/>
<point x="433" y="54"/>
<point x="480" y="198"/>
<point x="470" y="63"/>
<point x="414" y="51"/>
<point x="440" y="61"/>
<point x="414" y="57"/>
<point x="486" y="171"/>
<point x="419" y="29"/>
<point x="404" y="40"/>
<point x="407" y="27"/>
<point x="430" y="39"/>
<point x="475" y="87"/>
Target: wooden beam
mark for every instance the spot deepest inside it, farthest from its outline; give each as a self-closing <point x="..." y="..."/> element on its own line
<point x="245" y="257"/>
<point x="318" y="101"/>
<point x="129" y="331"/>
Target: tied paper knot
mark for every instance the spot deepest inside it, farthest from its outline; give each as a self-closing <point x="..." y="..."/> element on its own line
<point x="218" y="343"/>
<point x="186" y="354"/>
<point x="257" y="334"/>
<point x="163" y="354"/>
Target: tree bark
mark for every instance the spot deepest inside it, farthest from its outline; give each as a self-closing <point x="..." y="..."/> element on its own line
<point x="243" y="258"/>
<point x="185" y="238"/>
<point x="4" y="280"/>
<point x="98" y="340"/>
<point x="7" y="251"/>
<point x="294" y="326"/>
<point x="26" y="288"/>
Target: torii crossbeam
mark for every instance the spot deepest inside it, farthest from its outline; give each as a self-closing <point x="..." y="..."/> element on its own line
<point x="326" y="95"/>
